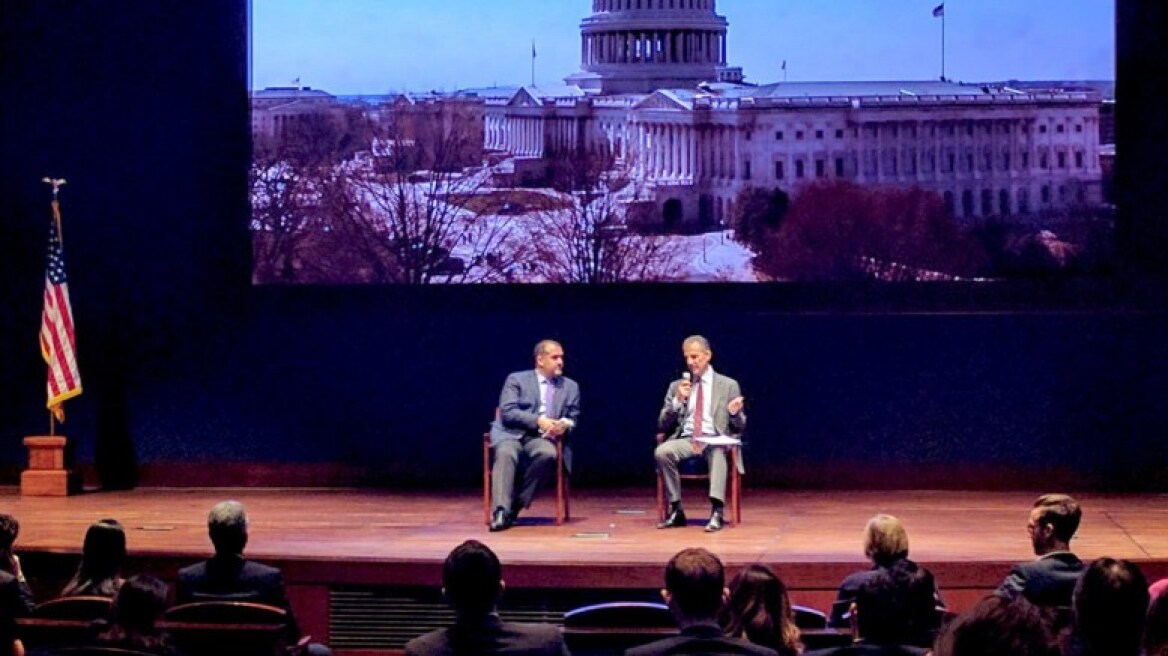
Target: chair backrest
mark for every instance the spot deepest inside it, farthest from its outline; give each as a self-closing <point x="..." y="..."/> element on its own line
<point x="807" y="617"/>
<point x="99" y="651"/>
<point x="621" y="614"/>
<point x="226" y="627"/>
<point x="611" y="628"/>
<point x="74" y="608"/>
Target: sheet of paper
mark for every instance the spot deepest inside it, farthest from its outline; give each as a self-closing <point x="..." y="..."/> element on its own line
<point x="720" y="440"/>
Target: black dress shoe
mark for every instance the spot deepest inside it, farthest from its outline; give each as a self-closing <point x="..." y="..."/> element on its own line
<point x="501" y="520"/>
<point x="715" y="523"/>
<point x="676" y="519"/>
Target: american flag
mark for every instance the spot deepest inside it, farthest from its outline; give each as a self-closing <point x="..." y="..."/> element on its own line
<point x="58" y="342"/>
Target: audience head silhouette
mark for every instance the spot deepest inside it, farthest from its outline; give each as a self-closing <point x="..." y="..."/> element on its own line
<point x="227" y="526"/>
<point x="472" y="578"/>
<point x="695" y="584"/>
<point x="885" y="540"/>
<point x="1156" y="626"/>
<point x="759" y="610"/>
<point x="1053" y="522"/>
<point x="1110" y="604"/>
<point x="1000" y="626"/>
<point x="140" y="603"/>
<point x="9" y="529"/>
<point x="102" y="555"/>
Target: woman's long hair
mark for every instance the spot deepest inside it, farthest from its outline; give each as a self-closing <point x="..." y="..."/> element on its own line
<point x="100" y="570"/>
<point x="760" y="611"/>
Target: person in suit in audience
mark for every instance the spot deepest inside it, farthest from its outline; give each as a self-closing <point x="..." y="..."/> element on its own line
<point x="1109" y="606"/>
<point x="472" y="582"/>
<point x="537" y="408"/>
<point x="100" y="572"/>
<point x="885" y="613"/>
<point x="228" y="576"/>
<point x="703" y="403"/>
<point x="1000" y="626"/>
<point x="695" y="592"/>
<point x="139" y="604"/>
<point x="1050" y="579"/>
<point x="16" y="598"/>
<point x="759" y="610"/>
<point x="885" y="544"/>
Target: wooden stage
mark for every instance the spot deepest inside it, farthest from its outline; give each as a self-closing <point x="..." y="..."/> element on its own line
<point x="337" y="542"/>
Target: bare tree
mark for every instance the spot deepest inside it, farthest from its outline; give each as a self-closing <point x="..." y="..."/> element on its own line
<point x="589" y="238"/>
<point x="407" y="216"/>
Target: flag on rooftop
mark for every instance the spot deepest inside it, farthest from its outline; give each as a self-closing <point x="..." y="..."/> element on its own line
<point x="58" y="341"/>
<point x="939" y="10"/>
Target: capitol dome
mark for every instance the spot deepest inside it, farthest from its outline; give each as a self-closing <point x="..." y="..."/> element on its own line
<point x="639" y="46"/>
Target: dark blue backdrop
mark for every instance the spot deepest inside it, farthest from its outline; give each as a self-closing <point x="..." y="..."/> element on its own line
<point x="142" y="105"/>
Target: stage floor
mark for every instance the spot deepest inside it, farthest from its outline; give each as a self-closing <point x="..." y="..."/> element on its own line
<point x="333" y="539"/>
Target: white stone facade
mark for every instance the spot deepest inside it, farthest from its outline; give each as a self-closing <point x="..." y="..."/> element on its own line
<point x="656" y="92"/>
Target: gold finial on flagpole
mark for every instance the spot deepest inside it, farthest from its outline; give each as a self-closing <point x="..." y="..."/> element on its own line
<point x="55" y="183"/>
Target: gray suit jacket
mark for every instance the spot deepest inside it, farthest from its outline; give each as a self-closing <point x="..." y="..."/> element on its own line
<point x="670" y="420"/>
<point x="519" y="409"/>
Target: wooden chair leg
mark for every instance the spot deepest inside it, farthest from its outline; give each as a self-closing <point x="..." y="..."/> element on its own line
<point x="735" y="489"/>
<point x="486" y="479"/>
<point x="560" y="505"/>
<point x="660" y="498"/>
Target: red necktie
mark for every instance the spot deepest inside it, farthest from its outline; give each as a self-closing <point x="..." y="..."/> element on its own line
<point x="697" y="419"/>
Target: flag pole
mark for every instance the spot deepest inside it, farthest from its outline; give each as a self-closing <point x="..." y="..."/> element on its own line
<point x="943" y="42"/>
<point x="533" y="62"/>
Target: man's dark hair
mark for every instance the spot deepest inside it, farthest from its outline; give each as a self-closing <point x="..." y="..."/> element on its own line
<point x="472" y="576"/>
<point x="695" y="578"/>
<point x="139" y="603"/>
<point x="227" y="526"/>
<point x="1060" y="511"/>
<point x="999" y="626"/>
<point x="1110" y="604"/>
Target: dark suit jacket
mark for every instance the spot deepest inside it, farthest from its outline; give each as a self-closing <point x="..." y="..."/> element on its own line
<point x="490" y="635"/>
<point x="700" y="639"/>
<point x="519" y="408"/>
<point x="1048" y="581"/>
<point x="850" y="587"/>
<point x="867" y="649"/>
<point x="235" y="579"/>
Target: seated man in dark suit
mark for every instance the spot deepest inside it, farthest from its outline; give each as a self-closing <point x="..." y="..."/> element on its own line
<point x="695" y="590"/>
<point x="227" y="576"/>
<point x="472" y="580"/>
<point x="537" y="408"/>
<point x="1050" y="579"/>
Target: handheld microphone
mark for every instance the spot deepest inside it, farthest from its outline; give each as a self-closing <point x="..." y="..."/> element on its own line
<point x="685" y="377"/>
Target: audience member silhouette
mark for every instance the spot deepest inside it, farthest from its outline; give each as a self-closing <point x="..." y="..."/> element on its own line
<point x="998" y="626"/>
<point x="695" y="592"/>
<point x="1156" y="624"/>
<point x="100" y="572"/>
<point x="1050" y="579"/>
<point x="885" y="545"/>
<point x="138" y="606"/>
<point x="15" y="596"/>
<point x="228" y="576"/>
<point x="886" y="612"/>
<point x="1110" y="604"/>
<point x="759" y="610"/>
<point x="472" y="582"/>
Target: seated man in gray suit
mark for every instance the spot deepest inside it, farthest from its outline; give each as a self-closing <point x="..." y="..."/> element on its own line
<point x="472" y="580"/>
<point x="702" y="403"/>
<point x="695" y="591"/>
<point x="1049" y="580"/>
<point x="537" y="407"/>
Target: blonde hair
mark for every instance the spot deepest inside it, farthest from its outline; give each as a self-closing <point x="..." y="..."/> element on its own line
<point x="885" y="540"/>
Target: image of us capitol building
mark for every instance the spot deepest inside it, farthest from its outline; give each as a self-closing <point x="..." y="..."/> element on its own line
<point x="657" y="100"/>
<point x="656" y="90"/>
